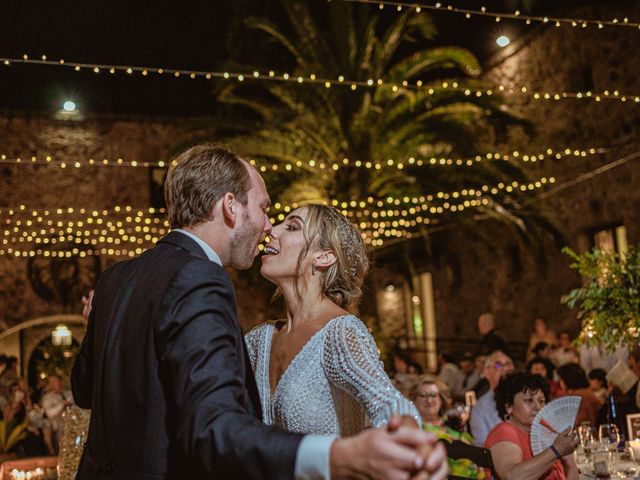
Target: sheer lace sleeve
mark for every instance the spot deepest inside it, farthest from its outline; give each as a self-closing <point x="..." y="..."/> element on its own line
<point x="252" y="339"/>
<point x="351" y="361"/>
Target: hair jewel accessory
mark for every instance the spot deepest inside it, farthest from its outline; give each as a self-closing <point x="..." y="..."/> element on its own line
<point x="346" y="232"/>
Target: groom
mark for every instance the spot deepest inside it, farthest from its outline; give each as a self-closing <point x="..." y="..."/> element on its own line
<point x="164" y="368"/>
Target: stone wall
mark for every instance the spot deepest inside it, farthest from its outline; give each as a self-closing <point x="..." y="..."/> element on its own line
<point x="25" y="135"/>
<point x="486" y="267"/>
<point x="506" y="275"/>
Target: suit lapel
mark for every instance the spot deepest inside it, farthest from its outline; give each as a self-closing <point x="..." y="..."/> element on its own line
<point x="183" y="241"/>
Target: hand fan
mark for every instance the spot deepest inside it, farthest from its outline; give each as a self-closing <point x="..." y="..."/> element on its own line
<point x="555" y="417"/>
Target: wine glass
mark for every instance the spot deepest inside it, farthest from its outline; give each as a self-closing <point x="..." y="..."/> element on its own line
<point x="585" y="434"/>
<point x="609" y="437"/>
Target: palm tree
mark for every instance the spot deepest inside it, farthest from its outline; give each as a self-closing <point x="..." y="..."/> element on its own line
<point x="325" y="142"/>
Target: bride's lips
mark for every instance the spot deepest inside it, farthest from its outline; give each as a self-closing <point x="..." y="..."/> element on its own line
<point x="269" y="251"/>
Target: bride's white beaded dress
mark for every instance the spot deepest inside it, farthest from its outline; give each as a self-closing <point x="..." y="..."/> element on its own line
<point x="336" y="384"/>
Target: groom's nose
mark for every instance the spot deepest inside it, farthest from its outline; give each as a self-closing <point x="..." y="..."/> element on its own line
<point x="267" y="225"/>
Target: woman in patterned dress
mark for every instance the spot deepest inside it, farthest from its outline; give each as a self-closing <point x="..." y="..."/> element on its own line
<point x="432" y="400"/>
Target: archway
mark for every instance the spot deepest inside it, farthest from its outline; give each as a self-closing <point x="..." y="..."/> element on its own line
<point x="48" y="359"/>
<point x="25" y="339"/>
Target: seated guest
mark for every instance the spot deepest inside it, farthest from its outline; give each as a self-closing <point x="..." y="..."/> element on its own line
<point x="541" y="349"/>
<point x="543" y="367"/>
<point x="482" y="386"/>
<point x="598" y="384"/>
<point x="18" y="415"/>
<point x="451" y="375"/>
<point x="540" y="334"/>
<point x="403" y="379"/>
<point x="623" y="390"/>
<point x="484" y="415"/>
<point x="598" y="356"/>
<point x="8" y="377"/>
<point x="414" y="368"/>
<point x="565" y="353"/>
<point x="633" y="362"/>
<point x="431" y="398"/>
<point x="519" y="397"/>
<point x="574" y="381"/>
<point x="54" y="401"/>
<point x="471" y="375"/>
<point x="17" y="406"/>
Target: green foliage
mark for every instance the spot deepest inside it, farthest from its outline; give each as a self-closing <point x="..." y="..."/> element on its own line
<point x="608" y="303"/>
<point x="295" y="124"/>
<point x="11" y="433"/>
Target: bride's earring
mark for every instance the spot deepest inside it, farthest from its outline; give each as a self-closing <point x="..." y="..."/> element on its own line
<point x="314" y="269"/>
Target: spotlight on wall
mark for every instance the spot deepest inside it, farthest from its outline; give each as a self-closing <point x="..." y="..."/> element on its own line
<point x="68" y="111"/>
<point x="503" y="41"/>
<point x="390" y="287"/>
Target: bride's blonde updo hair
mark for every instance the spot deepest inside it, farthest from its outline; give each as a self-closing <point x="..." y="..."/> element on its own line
<point x="326" y="228"/>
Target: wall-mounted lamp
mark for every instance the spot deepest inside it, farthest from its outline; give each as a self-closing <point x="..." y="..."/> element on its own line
<point x="61" y="336"/>
<point x="503" y="41"/>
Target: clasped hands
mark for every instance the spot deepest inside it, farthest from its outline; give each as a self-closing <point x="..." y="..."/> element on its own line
<point x="401" y="451"/>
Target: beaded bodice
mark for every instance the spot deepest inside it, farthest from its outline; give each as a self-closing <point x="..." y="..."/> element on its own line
<point x="334" y="385"/>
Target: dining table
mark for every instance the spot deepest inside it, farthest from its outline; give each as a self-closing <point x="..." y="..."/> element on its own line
<point x="620" y="465"/>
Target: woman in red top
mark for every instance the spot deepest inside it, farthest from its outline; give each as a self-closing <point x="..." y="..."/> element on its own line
<point x="519" y="397"/>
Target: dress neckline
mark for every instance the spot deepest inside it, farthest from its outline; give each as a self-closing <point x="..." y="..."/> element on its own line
<point x="274" y="393"/>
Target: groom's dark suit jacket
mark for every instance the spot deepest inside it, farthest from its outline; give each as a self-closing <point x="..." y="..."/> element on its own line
<point x="165" y="371"/>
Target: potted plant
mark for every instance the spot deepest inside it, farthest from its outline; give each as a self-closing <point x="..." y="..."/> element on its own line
<point x="608" y="303"/>
<point x="10" y="435"/>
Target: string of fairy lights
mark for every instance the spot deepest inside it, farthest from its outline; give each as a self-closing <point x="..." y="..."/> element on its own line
<point x="432" y="88"/>
<point x="126" y="231"/>
<point x="517" y="15"/>
<point x="264" y="167"/>
<point x="90" y="162"/>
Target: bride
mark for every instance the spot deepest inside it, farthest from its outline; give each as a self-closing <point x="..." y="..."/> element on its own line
<point x="318" y="370"/>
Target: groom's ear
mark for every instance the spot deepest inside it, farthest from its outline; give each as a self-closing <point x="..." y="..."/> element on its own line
<point x="229" y="207"/>
<point x="325" y="259"/>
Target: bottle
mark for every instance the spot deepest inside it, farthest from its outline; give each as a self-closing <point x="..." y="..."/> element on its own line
<point x="613" y="417"/>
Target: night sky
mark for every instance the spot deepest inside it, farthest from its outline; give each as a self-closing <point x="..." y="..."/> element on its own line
<point x="165" y="34"/>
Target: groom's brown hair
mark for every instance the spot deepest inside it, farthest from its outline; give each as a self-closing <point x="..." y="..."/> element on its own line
<point x="198" y="178"/>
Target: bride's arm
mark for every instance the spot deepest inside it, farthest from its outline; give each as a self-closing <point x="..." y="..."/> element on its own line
<point x="351" y="361"/>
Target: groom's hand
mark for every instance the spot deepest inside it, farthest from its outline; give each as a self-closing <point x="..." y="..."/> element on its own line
<point x="435" y="457"/>
<point x="86" y="305"/>
<point x="388" y="453"/>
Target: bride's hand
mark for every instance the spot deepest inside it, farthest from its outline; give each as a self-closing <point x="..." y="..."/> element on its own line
<point x="391" y="454"/>
<point x="397" y="421"/>
<point x="434" y="455"/>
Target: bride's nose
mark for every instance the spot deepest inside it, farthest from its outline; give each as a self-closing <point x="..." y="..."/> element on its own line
<point x="275" y="231"/>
